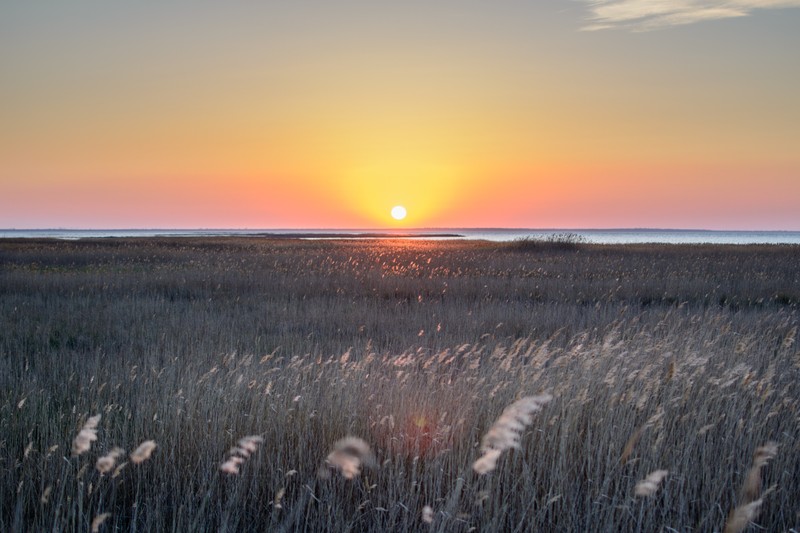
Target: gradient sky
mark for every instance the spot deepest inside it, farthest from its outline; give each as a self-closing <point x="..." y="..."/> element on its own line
<point x="315" y="114"/>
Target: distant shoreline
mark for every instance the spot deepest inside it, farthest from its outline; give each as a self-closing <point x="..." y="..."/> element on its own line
<point x="588" y="236"/>
<point x="211" y="235"/>
<point x="367" y="235"/>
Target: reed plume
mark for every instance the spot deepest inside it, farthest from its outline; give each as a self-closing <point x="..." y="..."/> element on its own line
<point x="749" y="498"/>
<point x="107" y="462"/>
<point x="507" y="431"/>
<point x="231" y="466"/>
<point x="487" y="462"/>
<point x="249" y="444"/>
<point x="349" y="456"/>
<point x="752" y="483"/>
<point x="427" y="514"/>
<point x="637" y="435"/>
<point x="87" y="435"/>
<point x="631" y="444"/>
<point x="143" y="452"/>
<point x="239" y="453"/>
<point x="45" y="499"/>
<point x="98" y="521"/>
<point x="741" y="517"/>
<point x="649" y="485"/>
<point x="276" y="501"/>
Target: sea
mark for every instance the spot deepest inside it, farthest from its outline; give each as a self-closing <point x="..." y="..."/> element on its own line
<point x="594" y="236"/>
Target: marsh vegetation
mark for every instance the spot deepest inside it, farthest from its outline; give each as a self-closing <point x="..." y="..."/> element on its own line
<point x="673" y="372"/>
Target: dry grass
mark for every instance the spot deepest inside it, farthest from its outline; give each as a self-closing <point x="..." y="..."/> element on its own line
<point x="415" y="348"/>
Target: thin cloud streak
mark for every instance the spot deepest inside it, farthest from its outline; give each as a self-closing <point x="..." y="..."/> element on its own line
<point x="645" y="15"/>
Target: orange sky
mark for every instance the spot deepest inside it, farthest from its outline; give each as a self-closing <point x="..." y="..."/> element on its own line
<point x="319" y="116"/>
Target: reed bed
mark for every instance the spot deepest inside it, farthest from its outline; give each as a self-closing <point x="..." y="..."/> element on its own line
<point x="301" y="385"/>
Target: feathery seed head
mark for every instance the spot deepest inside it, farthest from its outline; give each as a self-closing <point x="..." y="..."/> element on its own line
<point x="427" y="514"/>
<point x="87" y="435"/>
<point x="143" y="452"/>
<point x="741" y="517"/>
<point x="649" y="485"/>
<point x="487" y="462"/>
<point x="764" y="454"/>
<point x="349" y="455"/>
<point x="98" y="521"/>
<point x="107" y="462"/>
<point x="237" y="455"/>
<point x="507" y="430"/>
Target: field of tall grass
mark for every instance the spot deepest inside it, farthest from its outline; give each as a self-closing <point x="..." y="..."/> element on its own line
<point x="387" y="385"/>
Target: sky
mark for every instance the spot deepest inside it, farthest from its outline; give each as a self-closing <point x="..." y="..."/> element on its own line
<point x="327" y="114"/>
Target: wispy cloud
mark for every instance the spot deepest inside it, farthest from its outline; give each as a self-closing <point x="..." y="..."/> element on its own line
<point x="643" y="15"/>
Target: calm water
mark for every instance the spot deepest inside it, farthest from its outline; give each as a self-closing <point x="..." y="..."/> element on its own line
<point x="599" y="236"/>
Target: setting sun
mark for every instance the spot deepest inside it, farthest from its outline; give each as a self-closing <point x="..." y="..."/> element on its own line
<point x="398" y="212"/>
<point x="329" y="117"/>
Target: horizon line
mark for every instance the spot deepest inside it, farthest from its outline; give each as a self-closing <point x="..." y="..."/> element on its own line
<point x="392" y="230"/>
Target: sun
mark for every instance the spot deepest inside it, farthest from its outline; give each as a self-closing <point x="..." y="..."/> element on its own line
<point x="399" y="212"/>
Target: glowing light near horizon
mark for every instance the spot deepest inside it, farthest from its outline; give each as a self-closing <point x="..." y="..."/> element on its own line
<point x="399" y="212"/>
